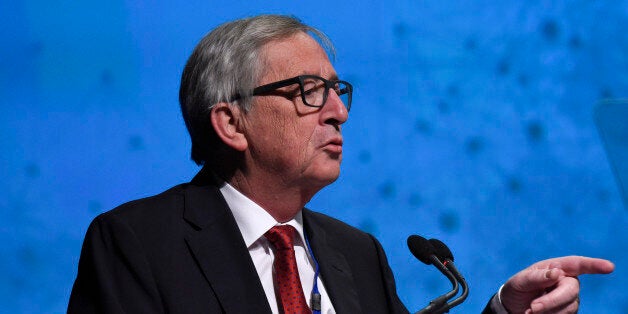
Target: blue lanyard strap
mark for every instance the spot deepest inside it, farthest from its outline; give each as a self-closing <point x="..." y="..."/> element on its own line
<point x="315" y="300"/>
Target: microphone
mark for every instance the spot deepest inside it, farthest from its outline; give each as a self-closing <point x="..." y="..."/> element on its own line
<point x="445" y="255"/>
<point x="424" y="251"/>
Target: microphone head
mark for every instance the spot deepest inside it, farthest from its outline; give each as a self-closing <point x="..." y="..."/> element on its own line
<point x="441" y="250"/>
<point x="421" y="248"/>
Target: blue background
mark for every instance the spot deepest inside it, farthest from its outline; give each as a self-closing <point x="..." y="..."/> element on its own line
<point x="472" y="122"/>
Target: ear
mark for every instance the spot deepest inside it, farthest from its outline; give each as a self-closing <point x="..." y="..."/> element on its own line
<point x="226" y="122"/>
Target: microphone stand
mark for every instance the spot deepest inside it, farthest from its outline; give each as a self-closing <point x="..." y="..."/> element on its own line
<point x="440" y="305"/>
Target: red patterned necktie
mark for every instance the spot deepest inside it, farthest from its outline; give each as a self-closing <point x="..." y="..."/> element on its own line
<point x="287" y="280"/>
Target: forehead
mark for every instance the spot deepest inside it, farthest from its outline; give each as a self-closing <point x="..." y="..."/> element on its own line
<point x="295" y="55"/>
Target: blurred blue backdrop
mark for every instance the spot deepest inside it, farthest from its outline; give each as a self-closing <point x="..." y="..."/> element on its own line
<point x="472" y="122"/>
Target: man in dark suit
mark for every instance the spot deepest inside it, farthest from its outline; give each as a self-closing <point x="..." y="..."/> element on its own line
<point x="264" y="108"/>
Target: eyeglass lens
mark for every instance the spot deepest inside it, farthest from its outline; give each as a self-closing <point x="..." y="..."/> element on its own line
<point x="314" y="90"/>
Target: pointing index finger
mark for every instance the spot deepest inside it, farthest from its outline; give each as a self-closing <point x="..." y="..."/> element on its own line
<point x="578" y="265"/>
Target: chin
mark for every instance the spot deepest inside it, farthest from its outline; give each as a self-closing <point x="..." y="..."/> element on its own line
<point x="330" y="177"/>
<point x="323" y="172"/>
<point x="321" y="178"/>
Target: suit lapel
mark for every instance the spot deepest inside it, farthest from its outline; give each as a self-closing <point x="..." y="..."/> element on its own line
<point x="219" y="249"/>
<point x="335" y="271"/>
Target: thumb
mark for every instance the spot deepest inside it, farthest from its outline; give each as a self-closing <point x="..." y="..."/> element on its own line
<point x="538" y="279"/>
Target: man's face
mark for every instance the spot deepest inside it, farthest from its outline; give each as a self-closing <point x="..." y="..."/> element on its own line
<point x="288" y="142"/>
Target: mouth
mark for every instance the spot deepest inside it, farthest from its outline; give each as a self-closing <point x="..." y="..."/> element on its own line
<point x="334" y="145"/>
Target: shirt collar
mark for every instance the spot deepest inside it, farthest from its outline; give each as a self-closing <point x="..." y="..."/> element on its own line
<point x="252" y="220"/>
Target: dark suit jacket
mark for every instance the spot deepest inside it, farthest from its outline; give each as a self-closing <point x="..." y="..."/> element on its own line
<point x="181" y="252"/>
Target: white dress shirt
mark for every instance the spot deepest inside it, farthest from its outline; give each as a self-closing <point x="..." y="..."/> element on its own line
<point x="253" y="222"/>
<point x="496" y="303"/>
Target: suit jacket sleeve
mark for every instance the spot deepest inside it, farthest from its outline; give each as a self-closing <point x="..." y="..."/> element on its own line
<point x="113" y="273"/>
<point x="494" y="307"/>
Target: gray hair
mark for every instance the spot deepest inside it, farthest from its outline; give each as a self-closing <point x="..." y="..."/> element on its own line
<point x="225" y="63"/>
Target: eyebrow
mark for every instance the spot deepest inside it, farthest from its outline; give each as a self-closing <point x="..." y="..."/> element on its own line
<point x="334" y="77"/>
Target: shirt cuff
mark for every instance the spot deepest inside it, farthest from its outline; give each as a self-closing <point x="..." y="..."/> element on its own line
<point x="496" y="303"/>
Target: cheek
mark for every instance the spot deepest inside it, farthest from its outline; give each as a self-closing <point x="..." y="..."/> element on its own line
<point x="310" y="138"/>
<point x="275" y="128"/>
<point x="298" y="134"/>
<point x="292" y="138"/>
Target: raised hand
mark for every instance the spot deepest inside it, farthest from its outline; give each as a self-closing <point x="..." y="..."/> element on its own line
<point x="550" y="286"/>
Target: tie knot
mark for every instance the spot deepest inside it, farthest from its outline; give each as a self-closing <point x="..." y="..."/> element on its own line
<point x="281" y="236"/>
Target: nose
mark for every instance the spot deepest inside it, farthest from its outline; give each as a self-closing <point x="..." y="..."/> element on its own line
<point x="334" y="111"/>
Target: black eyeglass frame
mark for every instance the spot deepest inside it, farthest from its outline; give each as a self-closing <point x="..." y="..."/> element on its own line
<point x="270" y="87"/>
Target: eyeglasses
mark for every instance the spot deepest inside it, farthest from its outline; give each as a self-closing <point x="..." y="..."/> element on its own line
<point x="312" y="89"/>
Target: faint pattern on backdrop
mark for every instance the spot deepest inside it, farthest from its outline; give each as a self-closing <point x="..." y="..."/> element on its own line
<point x="472" y="123"/>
